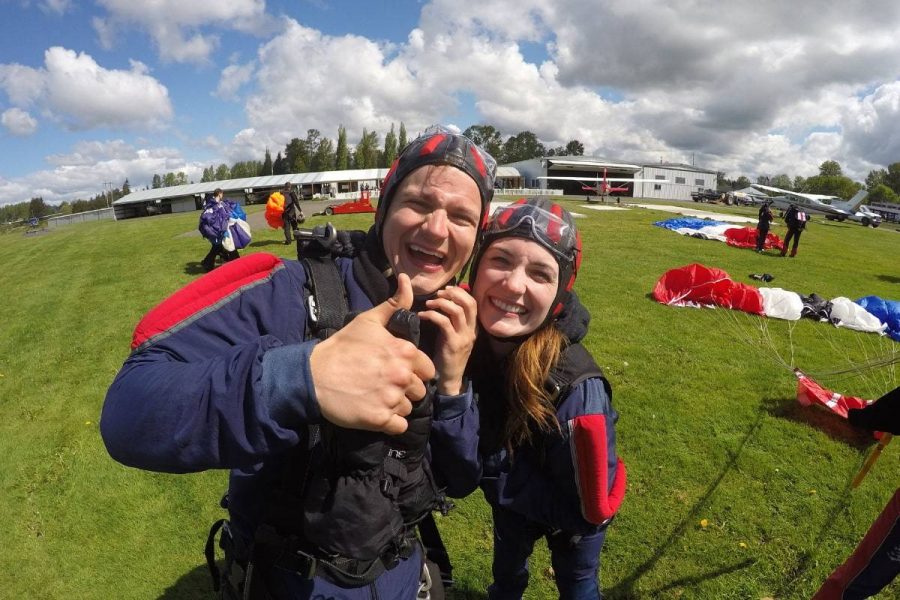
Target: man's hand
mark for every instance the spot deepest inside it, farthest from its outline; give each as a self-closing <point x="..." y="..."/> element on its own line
<point x="455" y="313"/>
<point x="365" y="378"/>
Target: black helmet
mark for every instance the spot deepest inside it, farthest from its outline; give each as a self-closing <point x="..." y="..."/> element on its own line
<point x="439" y="146"/>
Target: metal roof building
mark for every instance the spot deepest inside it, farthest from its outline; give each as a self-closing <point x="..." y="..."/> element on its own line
<point x="333" y="184"/>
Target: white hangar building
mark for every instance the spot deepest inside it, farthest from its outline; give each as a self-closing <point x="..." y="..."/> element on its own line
<point x="676" y="181"/>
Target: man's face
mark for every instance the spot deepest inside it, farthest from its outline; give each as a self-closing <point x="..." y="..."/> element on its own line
<point x="431" y="226"/>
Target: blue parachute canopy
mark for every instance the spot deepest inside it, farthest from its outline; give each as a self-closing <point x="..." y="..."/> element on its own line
<point x="688" y="223"/>
<point x="888" y="311"/>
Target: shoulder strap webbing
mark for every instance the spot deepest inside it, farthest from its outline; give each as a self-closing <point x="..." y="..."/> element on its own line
<point x="328" y="307"/>
<point x="574" y="366"/>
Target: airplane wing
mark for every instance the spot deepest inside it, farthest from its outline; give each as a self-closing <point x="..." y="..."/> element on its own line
<point x="612" y="179"/>
<point x="813" y="202"/>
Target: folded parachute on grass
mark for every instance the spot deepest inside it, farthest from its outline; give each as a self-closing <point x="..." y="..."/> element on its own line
<point x="888" y="311"/>
<point x="275" y="210"/>
<point x="739" y="237"/>
<point x="698" y="285"/>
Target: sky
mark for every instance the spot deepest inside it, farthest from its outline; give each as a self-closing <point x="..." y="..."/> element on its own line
<point x="97" y="91"/>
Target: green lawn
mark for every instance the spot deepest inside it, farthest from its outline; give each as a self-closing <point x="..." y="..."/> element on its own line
<point x="709" y="426"/>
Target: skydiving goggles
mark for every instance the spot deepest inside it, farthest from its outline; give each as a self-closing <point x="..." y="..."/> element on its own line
<point x="542" y="225"/>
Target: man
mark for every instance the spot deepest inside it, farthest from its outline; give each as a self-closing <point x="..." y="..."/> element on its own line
<point x="292" y="215"/>
<point x="762" y="227"/>
<point x="223" y="375"/>
<point x="795" y="219"/>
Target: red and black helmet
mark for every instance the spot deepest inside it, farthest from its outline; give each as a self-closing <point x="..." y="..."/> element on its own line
<point x="439" y="146"/>
<point x="546" y="223"/>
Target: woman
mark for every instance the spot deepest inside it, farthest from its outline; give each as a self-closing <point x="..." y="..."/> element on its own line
<point x="538" y="435"/>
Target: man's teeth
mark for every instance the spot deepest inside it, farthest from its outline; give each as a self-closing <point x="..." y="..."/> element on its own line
<point x="512" y="308"/>
<point x="433" y="253"/>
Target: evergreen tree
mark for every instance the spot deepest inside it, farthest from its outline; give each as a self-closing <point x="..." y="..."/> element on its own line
<point x="279" y="167"/>
<point x="209" y="174"/>
<point x="323" y="157"/>
<point x="365" y="155"/>
<point x="157" y="182"/>
<point x="390" y="148"/>
<point x="222" y="173"/>
<point x="342" y="153"/>
<point x="126" y="189"/>
<point x="401" y="140"/>
<point x="266" y="168"/>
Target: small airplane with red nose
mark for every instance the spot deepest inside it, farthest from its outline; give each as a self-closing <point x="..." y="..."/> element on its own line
<point x="603" y="186"/>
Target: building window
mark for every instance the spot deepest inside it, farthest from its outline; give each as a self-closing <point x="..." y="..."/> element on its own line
<point x="679" y="180"/>
<point x="657" y="187"/>
<point x="698" y="182"/>
<point x="660" y="177"/>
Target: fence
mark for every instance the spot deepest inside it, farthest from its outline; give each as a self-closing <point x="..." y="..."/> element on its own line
<point x="82" y="217"/>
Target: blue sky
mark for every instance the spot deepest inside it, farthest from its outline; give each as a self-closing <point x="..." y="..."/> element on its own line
<point x="101" y="90"/>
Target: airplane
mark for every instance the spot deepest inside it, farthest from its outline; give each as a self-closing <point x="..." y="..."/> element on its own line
<point x="603" y="187"/>
<point x="832" y="207"/>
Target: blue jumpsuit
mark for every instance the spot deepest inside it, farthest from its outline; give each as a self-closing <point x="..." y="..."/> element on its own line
<point x="565" y="487"/>
<point x="219" y="377"/>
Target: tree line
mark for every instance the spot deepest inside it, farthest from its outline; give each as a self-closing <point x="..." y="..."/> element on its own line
<point x="883" y="185"/>
<point x="316" y="153"/>
<point x="36" y="207"/>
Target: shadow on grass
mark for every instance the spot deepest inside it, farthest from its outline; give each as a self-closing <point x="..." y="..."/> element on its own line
<point x="889" y="278"/>
<point x="197" y="583"/>
<point x="792" y="575"/>
<point x="264" y="243"/>
<point x="458" y="592"/>
<point x="625" y="588"/>
<point x="194" y="268"/>
<point x="820" y="418"/>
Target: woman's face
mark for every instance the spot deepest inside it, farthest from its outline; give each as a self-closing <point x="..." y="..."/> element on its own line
<point x="515" y="286"/>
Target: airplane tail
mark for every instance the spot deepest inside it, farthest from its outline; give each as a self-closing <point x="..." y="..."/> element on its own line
<point x="851" y="205"/>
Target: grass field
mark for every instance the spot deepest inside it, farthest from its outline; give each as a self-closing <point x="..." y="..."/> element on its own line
<point x="709" y="426"/>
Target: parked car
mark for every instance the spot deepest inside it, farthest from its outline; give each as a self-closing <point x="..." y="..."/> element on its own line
<point x="707" y="196"/>
<point x="361" y="205"/>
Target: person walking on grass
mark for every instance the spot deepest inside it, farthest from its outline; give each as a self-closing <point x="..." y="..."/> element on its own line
<point x="795" y="219"/>
<point x="762" y="227"/>
<point x="214" y="226"/>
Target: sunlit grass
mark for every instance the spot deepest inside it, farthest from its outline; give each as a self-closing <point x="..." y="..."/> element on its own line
<point x="709" y="427"/>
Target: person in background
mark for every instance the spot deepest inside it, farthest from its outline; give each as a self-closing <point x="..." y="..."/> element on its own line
<point x="293" y="214"/>
<point x="536" y="428"/>
<point x="213" y="226"/>
<point x="876" y="560"/>
<point x="762" y="227"/>
<point x="795" y="219"/>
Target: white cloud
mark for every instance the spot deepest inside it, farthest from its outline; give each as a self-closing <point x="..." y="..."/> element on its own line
<point x="80" y="174"/>
<point x="175" y="25"/>
<point x="232" y="78"/>
<point x="58" y="7"/>
<point x="81" y="94"/>
<point x="18" y="122"/>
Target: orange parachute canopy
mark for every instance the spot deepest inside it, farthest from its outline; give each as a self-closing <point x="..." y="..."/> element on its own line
<point x="274" y="210"/>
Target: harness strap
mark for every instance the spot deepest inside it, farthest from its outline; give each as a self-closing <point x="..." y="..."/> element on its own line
<point x="210" y="552"/>
<point x="328" y="307"/>
<point x="285" y="552"/>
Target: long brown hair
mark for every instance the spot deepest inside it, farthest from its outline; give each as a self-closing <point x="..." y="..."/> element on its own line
<point x="529" y="404"/>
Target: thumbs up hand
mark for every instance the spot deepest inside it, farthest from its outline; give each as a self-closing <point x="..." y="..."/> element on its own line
<point x="366" y="378"/>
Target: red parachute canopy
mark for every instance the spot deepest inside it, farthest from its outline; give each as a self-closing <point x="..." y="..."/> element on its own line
<point x="274" y="210"/>
<point x="704" y="285"/>
<point x="811" y="393"/>
<point x="745" y="237"/>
